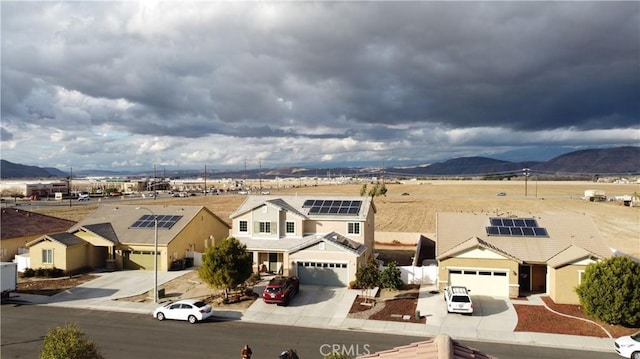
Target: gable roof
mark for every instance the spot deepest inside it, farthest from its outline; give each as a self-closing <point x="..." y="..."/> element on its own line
<point x="20" y="223"/>
<point x="334" y="238"/>
<point x="570" y="255"/>
<point x="104" y="230"/>
<point x="563" y="231"/>
<point x="476" y="242"/>
<point x="440" y="347"/>
<point x="121" y="218"/>
<point x="64" y="238"/>
<point x="295" y="204"/>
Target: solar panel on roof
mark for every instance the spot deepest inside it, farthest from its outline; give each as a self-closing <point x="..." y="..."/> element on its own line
<point x="333" y="206"/>
<point x="165" y="221"/>
<point x="515" y="227"/>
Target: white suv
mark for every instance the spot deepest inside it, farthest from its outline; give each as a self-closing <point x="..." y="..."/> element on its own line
<point x="458" y="300"/>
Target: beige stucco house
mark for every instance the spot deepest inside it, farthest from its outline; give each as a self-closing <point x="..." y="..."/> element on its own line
<point x="320" y="239"/>
<point x="514" y="256"/>
<point x="123" y="237"/>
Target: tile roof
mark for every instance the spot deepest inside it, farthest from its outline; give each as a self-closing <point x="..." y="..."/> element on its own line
<point x="104" y="230"/>
<point x="440" y="347"/>
<point x="295" y="204"/>
<point x="564" y="230"/>
<point x="569" y="255"/>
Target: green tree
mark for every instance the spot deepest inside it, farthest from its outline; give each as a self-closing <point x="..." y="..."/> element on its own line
<point x="368" y="275"/>
<point x="391" y="277"/>
<point x="379" y="189"/>
<point x="363" y="190"/>
<point x="68" y="342"/>
<point x="226" y="265"/>
<point x="610" y="291"/>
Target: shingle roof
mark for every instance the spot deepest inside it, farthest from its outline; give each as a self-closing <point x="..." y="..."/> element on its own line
<point x="20" y="223"/>
<point x="563" y="230"/>
<point x="440" y="347"/>
<point x="333" y="237"/>
<point x="569" y="255"/>
<point x="65" y="238"/>
<point x="476" y="242"/>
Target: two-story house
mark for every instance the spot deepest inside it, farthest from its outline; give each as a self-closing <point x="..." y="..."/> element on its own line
<point x="322" y="240"/>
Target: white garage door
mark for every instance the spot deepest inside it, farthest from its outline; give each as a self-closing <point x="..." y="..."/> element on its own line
<point x="493" y="283"/>
<point x="319" y="273"/>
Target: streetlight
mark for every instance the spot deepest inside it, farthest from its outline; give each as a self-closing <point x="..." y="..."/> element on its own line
<point x="155" y="253"/>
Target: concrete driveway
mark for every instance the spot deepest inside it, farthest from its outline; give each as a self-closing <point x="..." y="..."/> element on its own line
<point x="492" y="316"/>
<point x="313" y="306"/>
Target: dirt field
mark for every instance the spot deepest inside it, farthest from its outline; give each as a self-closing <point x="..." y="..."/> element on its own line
<point x="416" y="212"/>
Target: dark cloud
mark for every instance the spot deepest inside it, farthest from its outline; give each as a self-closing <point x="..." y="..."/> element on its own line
<point x="384" y="76"/>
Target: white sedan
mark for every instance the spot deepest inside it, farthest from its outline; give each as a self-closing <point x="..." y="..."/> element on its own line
<point x="188" y="309"/>
<point x="628" y="346"/>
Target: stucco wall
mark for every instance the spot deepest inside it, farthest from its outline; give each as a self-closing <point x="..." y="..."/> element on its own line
<point x="35" y="255"/>
<point x="563" y="282"/>
<point x="10" y="246"/>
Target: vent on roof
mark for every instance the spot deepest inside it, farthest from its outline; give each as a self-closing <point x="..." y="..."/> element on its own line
<point x="515" y="227"/>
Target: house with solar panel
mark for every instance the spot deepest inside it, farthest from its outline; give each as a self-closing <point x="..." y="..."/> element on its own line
<point x="322" y="240"/>
<point x="514" y="256"/>
<point x="123" y="237"/>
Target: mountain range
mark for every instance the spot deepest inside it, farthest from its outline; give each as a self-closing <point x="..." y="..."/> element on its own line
<point x="590" y="162"/>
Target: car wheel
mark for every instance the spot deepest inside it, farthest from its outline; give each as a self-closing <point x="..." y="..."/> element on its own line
<point x="160" y="316"/>
<point x="192" y="319"/>
<point x="635" y="355"/>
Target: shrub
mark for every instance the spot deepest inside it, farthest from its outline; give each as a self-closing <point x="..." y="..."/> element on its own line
<point x="610" y="291"/>
<point x="68" y="342"/>
<point x="28" y="273"/>
<point x="254" y="278"/>
<point x="391" y="277"/>
<point x="40" y="272"/>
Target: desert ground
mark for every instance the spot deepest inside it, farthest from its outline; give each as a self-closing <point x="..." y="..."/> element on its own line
<point x="415" y="211"/>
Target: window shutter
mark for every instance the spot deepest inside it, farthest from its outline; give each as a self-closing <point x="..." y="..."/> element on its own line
<point x="256" y="227"/>
<point x="273" y="227"/>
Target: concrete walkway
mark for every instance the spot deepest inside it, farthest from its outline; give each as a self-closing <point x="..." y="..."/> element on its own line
<point x="494" y="319"/>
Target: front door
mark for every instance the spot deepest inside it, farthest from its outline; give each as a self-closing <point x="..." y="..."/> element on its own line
<point x="524" y="279"/>
<point x="273" y="262"/>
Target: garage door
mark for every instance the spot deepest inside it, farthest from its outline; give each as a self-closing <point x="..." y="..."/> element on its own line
<point x="493" y="283"/>
<point x="138" y="260"/>
<point x="319" y="273"/>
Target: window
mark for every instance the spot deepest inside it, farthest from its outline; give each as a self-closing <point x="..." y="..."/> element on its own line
<point x="353" y="228"/>
<point x="290" y="227"/>
<point x="580" y="276"/>
<point x="265" y="227"/>
<point x="243" y="226"/>
<point x="47" y="256"/>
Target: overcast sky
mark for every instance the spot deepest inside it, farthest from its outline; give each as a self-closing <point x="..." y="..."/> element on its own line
<point x="126" y="85"/>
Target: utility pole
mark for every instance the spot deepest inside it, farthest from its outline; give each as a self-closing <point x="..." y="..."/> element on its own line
<point x="205" y="180"/>
<point x="260" y="167"/>
<point x="70" y="179"/>
<point x="525" y="172"/>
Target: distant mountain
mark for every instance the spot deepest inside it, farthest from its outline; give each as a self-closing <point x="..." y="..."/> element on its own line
<point x="596" y="161"/>
<point x="619" y="160"/>
<point x="15" y="170"/>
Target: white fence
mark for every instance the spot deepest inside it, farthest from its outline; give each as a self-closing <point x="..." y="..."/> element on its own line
<point x="419" y="275"/>
<point x="197" y="258"/>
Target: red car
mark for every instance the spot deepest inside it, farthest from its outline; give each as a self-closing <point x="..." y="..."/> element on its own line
<point x="281" y="289"/>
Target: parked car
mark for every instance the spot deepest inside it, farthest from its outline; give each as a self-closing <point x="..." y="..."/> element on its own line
<point x="83" y="197"/>
<point x="628" y="346"/>
<point x="501" y="194"/>
<point x="281" y="289"/>
<point x="189" y="309"/>
<point x="458" y="300"/>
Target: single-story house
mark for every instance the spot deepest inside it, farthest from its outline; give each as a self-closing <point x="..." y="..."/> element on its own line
<point x="20" y="227"/>
<point x="514" y="256"/>
<point x="322" y="240"/>
<point x="124" y="237"/>
<point x="439" y="347"/>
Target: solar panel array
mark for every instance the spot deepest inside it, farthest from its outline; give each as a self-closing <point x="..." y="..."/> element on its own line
<point x="164" y="221"/>
<point x="339" y="207"/>
<point x="516" y="227"/>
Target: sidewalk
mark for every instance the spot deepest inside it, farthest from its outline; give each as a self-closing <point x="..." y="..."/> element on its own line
<point x="494" y="320"/>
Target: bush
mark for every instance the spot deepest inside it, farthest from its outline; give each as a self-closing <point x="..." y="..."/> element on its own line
<point x="28" y="273"/>
<point x="68" y="342"/>
<point x="40" y="272"/>
<point x="610" y="291"/>
<point x="391" y="277"/>
<point x="254" y="278"/>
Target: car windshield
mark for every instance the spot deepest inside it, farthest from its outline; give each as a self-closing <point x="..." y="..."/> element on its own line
<point x="199" y="304"/>
<point x="460" y="299"/>
<point x="636" y="337"/>
<point x="273" y="289"/>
